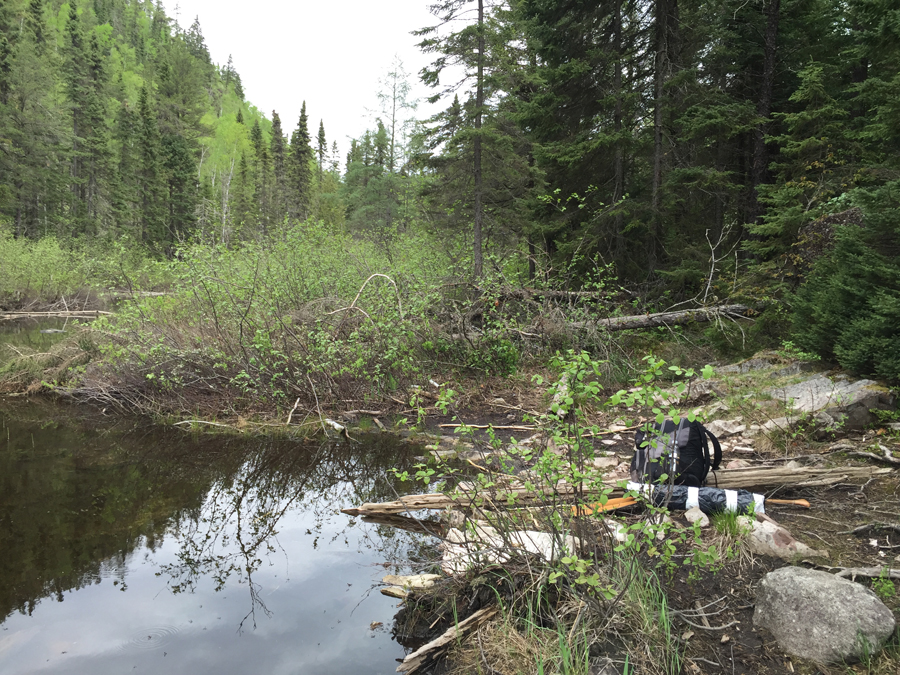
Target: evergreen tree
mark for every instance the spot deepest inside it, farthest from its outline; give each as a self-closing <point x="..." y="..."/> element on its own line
<point x="149" y="174"/>
<point x="321" y="149"/>
<point x="277" y="151"/>
<point x="299" y="171"/>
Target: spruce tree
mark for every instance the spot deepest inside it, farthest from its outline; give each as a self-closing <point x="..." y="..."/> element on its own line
<point x="321" y="148"/>
<point x="150" y="185"/>
<point x="277" y="152"/>
<point x="299" y="171"/>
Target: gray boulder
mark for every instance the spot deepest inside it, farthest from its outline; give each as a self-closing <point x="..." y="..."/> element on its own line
<point x="817" y="616"/>
<point x="839" y="397"/>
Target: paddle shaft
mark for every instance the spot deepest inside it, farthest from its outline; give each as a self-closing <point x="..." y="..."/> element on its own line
<point x="621" y="502"/>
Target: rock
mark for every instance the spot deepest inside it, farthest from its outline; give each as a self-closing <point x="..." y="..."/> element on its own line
<point x="695" y="515"/>
<point x="726" y="428"/>
<point x="766" y="537"/>
<point x="782" y="423"/>
<point x="758" y="362"/>
<point x="412" y="581"/>
<point x="737" y="464"/>
<point x="844" y="400"/>
<point x="605" y="462"/>
<point x="817" y="616"/>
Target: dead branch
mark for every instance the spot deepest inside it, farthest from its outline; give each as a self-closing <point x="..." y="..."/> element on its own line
<point x="665" y="318"/>
<point x="886" y="457"/>
<point x="428" y="652"/>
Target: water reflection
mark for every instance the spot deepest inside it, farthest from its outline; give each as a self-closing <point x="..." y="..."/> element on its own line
<point x="165" y="541"/>
<point x="33" y="334"/>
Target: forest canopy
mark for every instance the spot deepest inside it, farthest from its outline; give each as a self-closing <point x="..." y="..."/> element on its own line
<point x="685" y="147"/>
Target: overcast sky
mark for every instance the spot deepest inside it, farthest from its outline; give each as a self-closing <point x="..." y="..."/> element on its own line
<point x="330" y="54"/>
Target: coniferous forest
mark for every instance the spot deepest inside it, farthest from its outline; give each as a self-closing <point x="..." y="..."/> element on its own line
<point x="668" y="152"/>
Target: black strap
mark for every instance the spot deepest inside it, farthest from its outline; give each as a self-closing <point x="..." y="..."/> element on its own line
<point x="717" y="449"/>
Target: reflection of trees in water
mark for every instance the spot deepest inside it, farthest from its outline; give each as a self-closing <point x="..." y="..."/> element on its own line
<point x="237" y="525"/>
<point x="77" y="499"/>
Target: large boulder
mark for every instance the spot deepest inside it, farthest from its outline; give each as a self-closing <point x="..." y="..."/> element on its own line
<point x="817" y="616"/>
<point x="841" y="398"/>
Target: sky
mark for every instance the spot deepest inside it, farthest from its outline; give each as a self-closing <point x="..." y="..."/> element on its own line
<point x="330" y="54"/>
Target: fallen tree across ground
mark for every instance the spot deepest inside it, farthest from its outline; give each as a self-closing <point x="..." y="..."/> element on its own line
<point x="702" y="314"/>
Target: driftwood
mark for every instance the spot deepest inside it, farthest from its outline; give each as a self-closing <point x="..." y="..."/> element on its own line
<point x="92" y="314"/>
<point x="665" y="318"/>
<point x="730" y="478"/>
<point x="427" y="653"/>
<point x="871" y="572"/>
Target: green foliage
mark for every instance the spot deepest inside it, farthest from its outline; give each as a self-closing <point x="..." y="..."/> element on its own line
<point x="883" y="586"/>
<point x="848" y="310"/>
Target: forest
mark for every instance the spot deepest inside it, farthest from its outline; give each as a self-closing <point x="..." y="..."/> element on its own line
<point x="632" y="155"/>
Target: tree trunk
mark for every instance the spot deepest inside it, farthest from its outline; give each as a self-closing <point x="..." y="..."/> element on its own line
<point x="763" y="109"/>
<point x="479" y="103"/>
<point x="619" y="159"/>
<point x="665" y="16"/>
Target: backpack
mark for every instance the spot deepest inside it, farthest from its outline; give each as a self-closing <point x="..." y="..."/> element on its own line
<point x="669" y="449"/>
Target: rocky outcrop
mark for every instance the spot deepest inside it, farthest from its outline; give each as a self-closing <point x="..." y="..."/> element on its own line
<point x="817" y="616"/>
<point x="839" y="398"/>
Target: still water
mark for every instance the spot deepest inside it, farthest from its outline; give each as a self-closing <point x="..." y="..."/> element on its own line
<point x="126" y="548"/>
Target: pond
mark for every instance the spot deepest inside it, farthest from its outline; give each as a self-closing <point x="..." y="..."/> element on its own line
<point x="37" y="335"/>
<point x="128" y="548"/>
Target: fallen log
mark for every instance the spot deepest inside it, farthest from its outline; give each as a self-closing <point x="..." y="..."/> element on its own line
<point x="91" y="314"/>
<point x="428" y="652"/>
<point x="702" y="314"/>
<point x="766" y="477"/>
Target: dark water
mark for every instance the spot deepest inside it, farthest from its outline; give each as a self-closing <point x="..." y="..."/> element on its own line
<point x="28" y="333"/>
<point x="130" y="549"/>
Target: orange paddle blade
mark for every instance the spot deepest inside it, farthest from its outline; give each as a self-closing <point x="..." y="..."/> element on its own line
<point x="597" y="507"/>
<point x="795" y="502"/>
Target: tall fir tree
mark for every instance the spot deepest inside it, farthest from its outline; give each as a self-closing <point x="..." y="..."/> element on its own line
<point x="300" y="169"/>
<point x="277" y="149"/>
<point x="321" y="149"/>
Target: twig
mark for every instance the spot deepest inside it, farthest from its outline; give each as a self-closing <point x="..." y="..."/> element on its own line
<point x="487" y="426"/>
<point x="291" y="414"/>
<point x="318" y="409"/>
<point x="887" y="457"/>
<point x="702" y="615"/>
<point x="872" y="526"/>
<point x="871" y="572"/>
<point x="696" y="625"/>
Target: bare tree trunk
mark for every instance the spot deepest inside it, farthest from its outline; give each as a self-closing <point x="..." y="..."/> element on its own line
<point x="763" y="109"/>
<point x="619" y="160"/>
<point x="666" y="23"/>
<point x="479" y="103"/>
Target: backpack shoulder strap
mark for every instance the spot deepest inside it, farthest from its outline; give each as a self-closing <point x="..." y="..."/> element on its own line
<point x="717" y="449"/>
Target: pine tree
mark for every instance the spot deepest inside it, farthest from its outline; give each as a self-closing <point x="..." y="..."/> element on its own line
<point x="299" y="171"/>
<point x="277" y="151"/>
<point x="809" y="169"/>
<point x="5" y="68"/>
<point x="150" y="185"/>
<point x="322" y="149"/>
<point x="335" y="167"/>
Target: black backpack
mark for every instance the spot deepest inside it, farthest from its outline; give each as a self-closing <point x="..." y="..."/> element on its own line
<point x="667" y="449"/>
